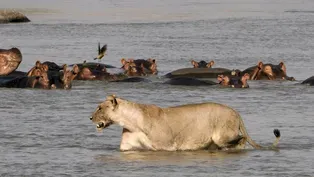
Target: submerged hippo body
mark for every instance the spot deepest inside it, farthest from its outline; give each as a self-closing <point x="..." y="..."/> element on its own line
<point x="52" y="66"/>
<point x="188" y="81"/>
<point x="133" y="79"/>
<point x="309" y="81"/>
<point x="17" y="74"/>
<point x="198" y="72"/>
<point x="93" y="65"/>
<point x="25" y="82"/>
<point x="9" y="60"/>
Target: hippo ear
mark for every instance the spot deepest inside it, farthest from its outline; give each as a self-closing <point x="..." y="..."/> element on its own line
<point x="151" y="60"/>
<point x="38" y="64"/>
<point x="260" y="64"/>
<point x="282" y="66"/>
<point x="76" y="69"/>
<point x="64" y="67"/>
<point x="45" y="67"/>
<point x="123" y="61"/>
<point x="246" y="76"/>
<point x="210" y="64"/>
<point x="194" y="63"/>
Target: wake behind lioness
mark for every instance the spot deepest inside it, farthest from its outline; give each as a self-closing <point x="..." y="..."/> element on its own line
<point x="186" y="127"/>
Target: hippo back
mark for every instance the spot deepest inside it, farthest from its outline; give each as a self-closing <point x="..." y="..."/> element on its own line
<point x="198" y="72"/>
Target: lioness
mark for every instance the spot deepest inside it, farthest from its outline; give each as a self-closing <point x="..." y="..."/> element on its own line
<point x="185" y="127"/>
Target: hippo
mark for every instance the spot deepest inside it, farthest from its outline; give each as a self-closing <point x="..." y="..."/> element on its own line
<point x="149" y="65"/>
<point x="64" y="78"/>
<point x="309" y="81"/>
<point x="198" y="72"/>
<point x="10" y="60"/>
<point x="86" y="73"/>
<point x="202" y="64"/>
<point x="234" y="80"/>
<point x="96" y="71"/>
<point x="92" y="65"/>
<point x="40" y="80"/>
<point x="268" y="72"/>
<point x="186" y="81"/>
<point x="134" y="70"/>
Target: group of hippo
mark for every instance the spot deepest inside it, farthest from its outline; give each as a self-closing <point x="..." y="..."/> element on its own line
<point x="49" y="75"/>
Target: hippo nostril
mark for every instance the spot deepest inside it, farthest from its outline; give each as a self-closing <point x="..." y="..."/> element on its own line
<point x="91" y="118"/>
<point x="100" y="125"/>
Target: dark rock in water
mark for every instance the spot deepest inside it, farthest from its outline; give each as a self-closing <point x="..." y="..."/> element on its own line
<point x="133" y="79"/>
<point x="189" y="81"/>
<point x="198" y="72"/>
<point x="12" y="16"/>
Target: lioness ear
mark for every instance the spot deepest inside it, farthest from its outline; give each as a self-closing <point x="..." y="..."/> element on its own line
<point x="114" y="102"/>
<point x="113" y="99"/>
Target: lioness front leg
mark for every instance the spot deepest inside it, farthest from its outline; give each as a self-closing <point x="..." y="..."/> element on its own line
<point x="135" y="141"/>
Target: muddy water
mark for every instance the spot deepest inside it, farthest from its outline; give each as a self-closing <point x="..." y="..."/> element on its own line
<point x="48" y="133"/>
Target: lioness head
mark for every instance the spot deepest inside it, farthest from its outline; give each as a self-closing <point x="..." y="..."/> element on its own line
<point x="102" y="115"/>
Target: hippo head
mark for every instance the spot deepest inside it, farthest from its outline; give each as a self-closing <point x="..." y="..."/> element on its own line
<point x="153" y="65"/>
<point x="43" y="80"/>
<point x="202" y="64"/>
<point x="9" y="60"/>
<point x="86" y="74"/>
<point x="67" y="77"/>
<point x="270" y="71"/>
<point x="38" y="69"/>
<point x="101" y="68"/>
<point x="38" y="76"/>
<point x="125" y="64"/>
<point x="135" y="70"/>
<point x="233" y="80"/>
<point x="102" y="115"/>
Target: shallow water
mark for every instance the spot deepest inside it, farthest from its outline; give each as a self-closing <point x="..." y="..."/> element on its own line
<point x="48" y="132"/>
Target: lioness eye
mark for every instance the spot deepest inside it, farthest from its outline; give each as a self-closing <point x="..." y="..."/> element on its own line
<point x="99" y="108"/>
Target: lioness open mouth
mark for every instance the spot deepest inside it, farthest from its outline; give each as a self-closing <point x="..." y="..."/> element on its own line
<point x="100" y="125"/>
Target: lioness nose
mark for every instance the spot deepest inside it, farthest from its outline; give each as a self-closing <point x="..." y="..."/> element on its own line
<point x="91" y="118"/>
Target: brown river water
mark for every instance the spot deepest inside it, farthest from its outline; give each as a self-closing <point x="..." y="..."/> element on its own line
<point x="48" y="132"/>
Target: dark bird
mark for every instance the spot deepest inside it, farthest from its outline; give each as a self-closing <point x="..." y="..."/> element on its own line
<point x="101" y="51"/>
